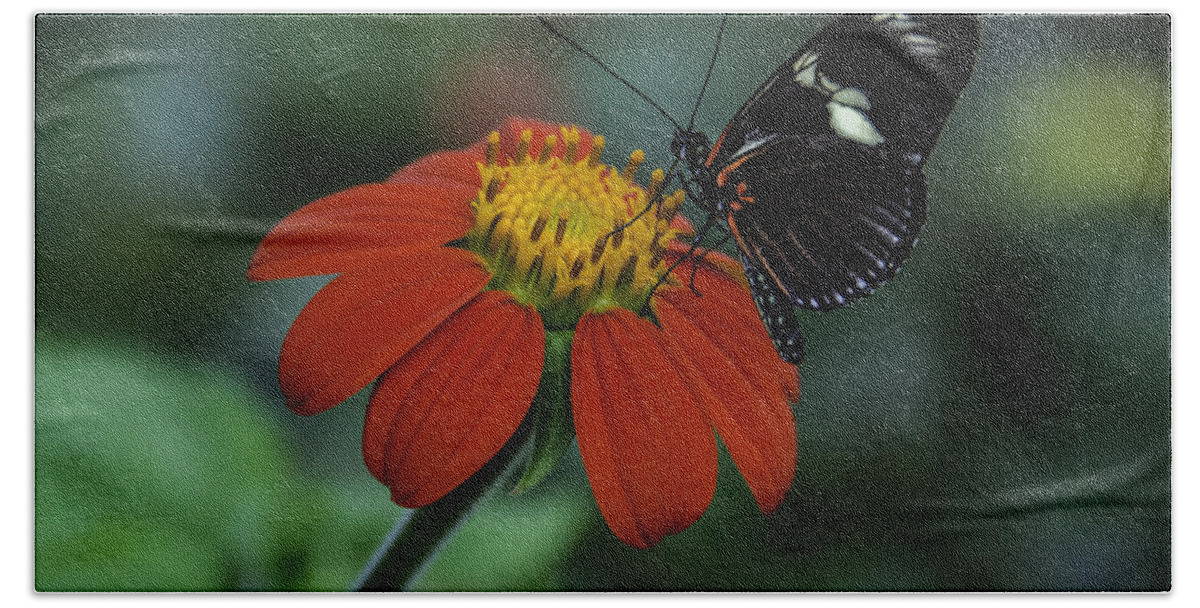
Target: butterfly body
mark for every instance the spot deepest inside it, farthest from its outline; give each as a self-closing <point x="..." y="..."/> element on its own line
<point x="819" y="176"/>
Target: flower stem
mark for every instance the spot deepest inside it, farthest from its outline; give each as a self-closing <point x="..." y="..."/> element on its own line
<point x="420" y="534"/>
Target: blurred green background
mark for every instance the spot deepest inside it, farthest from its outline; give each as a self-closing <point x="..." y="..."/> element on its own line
<point x="998" y="417"/>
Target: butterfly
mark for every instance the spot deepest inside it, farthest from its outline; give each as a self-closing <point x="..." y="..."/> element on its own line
<point x="819" y="176"/>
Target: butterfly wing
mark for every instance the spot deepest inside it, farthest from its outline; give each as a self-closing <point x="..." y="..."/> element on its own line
<point x="830" y="222"/>
<point x="821" y="170"/>
<point x="776" y="311"/>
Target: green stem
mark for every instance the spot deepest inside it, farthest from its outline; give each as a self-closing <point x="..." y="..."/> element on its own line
<point x="420" y="534"/>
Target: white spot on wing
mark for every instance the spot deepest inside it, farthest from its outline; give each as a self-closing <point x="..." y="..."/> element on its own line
<point x="750" y="145"/>
<point x="898" y="21"/>
<point x="807" y="76"/>
<point x="919" y="39"/>
<point x="804" y="61"/>
<point x="888" y="234"/>
<point x="853" y="124"/>
<point x="829" y="85"/>
<point x="878" y="262"/>
<point x="847" y="105"/>
<point x="853" y="97"/>
<point x="895" y="221"/>
<point x="921" y="45"/>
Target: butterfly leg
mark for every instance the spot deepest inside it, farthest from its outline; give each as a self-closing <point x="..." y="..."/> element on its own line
<point x="703" y="254"/>
<point x="691" y="252"/>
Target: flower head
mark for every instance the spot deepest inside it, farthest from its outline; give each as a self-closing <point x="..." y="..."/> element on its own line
<point x="450" y="276"/>
<point x="555" y="230"/>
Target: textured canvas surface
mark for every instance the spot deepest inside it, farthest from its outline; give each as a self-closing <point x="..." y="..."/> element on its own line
<point x="996" y="418"/>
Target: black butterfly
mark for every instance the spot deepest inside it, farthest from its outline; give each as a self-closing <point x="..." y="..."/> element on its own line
<point x="819" y="176"/>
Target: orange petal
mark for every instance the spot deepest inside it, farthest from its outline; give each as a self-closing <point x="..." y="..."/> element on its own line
<point x="455" y="168"/>
<point x="358" y="226"/>
<point x="683" y="225"/>
<point x="708" y="338"/>
<point x="649" y="454"/>
<point x="452" y="402"/>
<point x="739" y="311"/>
<point x="756" y="425"/>
<point x="362" y="322"/>
<point x="713" y="261"/>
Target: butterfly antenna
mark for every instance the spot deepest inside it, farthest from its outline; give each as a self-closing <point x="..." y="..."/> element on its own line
<point x="710" y="221"/>
<point x="691" y="123"/>
<point x="650" y="204"/>
<point x="611" y="72"/>
<point x="707" y="75"/>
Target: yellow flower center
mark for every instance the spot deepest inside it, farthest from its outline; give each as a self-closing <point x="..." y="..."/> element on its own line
<point x="560" y="234"/>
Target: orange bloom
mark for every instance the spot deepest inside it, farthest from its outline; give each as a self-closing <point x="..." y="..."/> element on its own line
<point x="449" y="276"/>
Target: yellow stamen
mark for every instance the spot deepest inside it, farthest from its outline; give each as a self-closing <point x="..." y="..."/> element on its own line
<point x="597" y="148"/>
<point x="625" y="277"/>
<point x="670" y="206"/>
<point x="598" y="248"/>
<point x="493" y="148"/>
<point x="491" y="229"/>
<point x="656" y="182"/>
<point x="572" y="141"/>
<point x="635" y="160"/>
<point x="590" y="204"/>
<point x="547" y="149"/>
<point x="492" y="188"/>
<point x="523" y="146"/>
<point x="577" y="267"/>
<point x="561" y="230"/>
<point x="535" y="268"/>
<point x="599" y="282"/>
<point x="539" y="226"/>
<point x="657" y="253"/>
<point x="498" y="243"/>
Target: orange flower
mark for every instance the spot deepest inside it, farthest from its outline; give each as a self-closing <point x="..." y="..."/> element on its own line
<point x="450" y="275"/>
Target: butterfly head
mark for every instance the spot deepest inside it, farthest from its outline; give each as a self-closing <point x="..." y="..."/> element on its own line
<point x="691" y="147"/>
